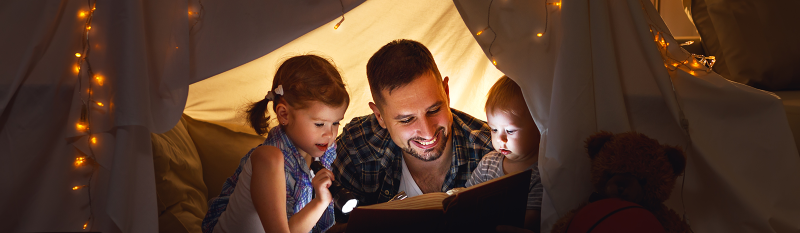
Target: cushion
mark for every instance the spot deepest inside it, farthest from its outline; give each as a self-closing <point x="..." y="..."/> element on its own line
<point x="220" y="150"/>
<point x="181" y="193"/>
<point x="754" y="41"/>
<point x="791" y="103"/>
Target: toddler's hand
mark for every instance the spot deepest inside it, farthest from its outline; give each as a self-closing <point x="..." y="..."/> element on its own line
<point x="321" y="181"/>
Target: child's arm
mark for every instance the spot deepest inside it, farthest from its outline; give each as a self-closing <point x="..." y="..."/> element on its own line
<point x="533" y="218"/>
<point x="268" y="190"/>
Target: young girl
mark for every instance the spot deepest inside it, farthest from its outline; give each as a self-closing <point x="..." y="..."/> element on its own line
<point x="271" y="191"/>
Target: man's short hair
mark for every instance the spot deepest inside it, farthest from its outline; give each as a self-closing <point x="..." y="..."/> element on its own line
<point x="396" y="64"/>
<point x="504" y="94"/>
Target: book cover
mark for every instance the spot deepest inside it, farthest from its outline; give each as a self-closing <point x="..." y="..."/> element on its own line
<point x="479" y="208"/>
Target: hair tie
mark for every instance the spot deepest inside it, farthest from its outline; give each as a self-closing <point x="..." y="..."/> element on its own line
<point x="271" y="94"/>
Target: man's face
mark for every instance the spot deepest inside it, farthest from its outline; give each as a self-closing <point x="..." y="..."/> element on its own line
<point x="418" y="117"/>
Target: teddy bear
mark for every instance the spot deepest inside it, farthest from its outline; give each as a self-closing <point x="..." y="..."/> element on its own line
<point x="634" y="169"/>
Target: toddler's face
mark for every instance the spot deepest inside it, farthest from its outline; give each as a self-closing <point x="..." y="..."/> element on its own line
<point x="516" y="137"/>
<point x="313" y="129"/>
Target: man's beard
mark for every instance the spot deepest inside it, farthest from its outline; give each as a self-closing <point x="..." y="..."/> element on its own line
<point x="430" y="154"/>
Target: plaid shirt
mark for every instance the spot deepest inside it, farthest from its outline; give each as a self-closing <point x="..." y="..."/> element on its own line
<point x="298" y="194"/>
<point x="369" y="163"/>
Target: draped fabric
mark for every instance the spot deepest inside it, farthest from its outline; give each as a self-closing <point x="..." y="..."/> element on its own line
<point x="147" y="57"/>
<point x="599" y="67"/>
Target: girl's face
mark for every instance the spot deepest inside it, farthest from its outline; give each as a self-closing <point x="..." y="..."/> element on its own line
<point x="312" y="129"/>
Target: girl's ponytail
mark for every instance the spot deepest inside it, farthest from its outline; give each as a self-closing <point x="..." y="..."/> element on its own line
<point x="258" y="117"/>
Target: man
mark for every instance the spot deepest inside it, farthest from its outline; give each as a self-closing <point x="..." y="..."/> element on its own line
<point x="413" y="142"/>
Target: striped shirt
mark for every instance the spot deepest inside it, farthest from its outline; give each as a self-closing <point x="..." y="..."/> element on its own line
<point x="491" y="166"/>
<point x="370" y="164"/>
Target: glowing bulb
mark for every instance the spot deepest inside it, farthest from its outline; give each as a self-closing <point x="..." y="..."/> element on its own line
<point x="77" y="69"/>
<point x="539" y="34"/>
<point x="85" y="224"/>
<point x="94" y="140"/>
<point x="80" y="127"/>
<point x="190" y="13"/>
<point x="685" y="62"/>
<point x="88" y="27"/>
<point x="494" y="62"/>
<point x="99" y="104"/>
<point x="558" y="4"/>
<point x="76" y="187"/>
<point x="82" y="14"/>
<point x="77" y="54"/>
<point x="339" y="23"/>
<point x="691" y="72"/>
<point x="675" y="64"/>
<point x="79" y="161"/>
<point x="695" y="64"/>
<point x="99" y="80"/>
<point x="479" y="33"/>
<point x="176" y="47"/>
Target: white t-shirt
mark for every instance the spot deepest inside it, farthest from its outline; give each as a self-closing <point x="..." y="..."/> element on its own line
<point x="407" y="183"/>
<point x="241" y="215"/>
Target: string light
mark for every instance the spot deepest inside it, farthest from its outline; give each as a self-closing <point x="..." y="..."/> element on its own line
<point x="340" y="21"/>
<point x="99" y="104"/>
<point x="99" y="80"/>
<point x="80" y="126"/>
<point x="539" y="34"/>
<point x="83" y="122"/>
<point x="494" y="62"/>
<point x="479" y="33"/>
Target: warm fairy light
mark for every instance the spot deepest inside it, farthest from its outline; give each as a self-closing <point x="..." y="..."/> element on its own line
<point x="685" y="62"/>
<point x="76" y="187"/>
<point x="339" y="23"/>
<point x="691" y="72"/>
<point x="99" y="80"/>
<point x="77" y="69"/>
<point x="539" y="34"/>
<point x="85" y="224"/>
<point x="79" y="161"/>
<point x="82" y="14"/>
<point x="94" y="140"/>
<point x="88" y="27"/>
<point x="695" y="64"/>
<point x="77" y="54"/>
<point x="99" y="104"/>
<point x="80" y="127"/>
<point x="479" y="33"/>
<point x="190" y="13"/>
<point x="675" y="64"/>
<point x="494" y="62"/>
<point x="176" y="47"/>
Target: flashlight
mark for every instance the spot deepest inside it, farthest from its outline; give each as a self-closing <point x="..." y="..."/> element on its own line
<point x="343" y="199"/>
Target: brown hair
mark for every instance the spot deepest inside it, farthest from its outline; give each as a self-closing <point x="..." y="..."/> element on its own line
<point x="396" y="64"/>
<point x="304" y="78"/>
<point x="503" y="95"/>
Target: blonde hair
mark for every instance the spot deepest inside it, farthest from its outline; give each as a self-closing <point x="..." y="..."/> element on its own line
<point x="503" y="96"/>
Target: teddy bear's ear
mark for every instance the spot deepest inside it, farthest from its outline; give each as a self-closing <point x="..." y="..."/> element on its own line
<point x="676" y="158"/>
<point x="595" y="142"/>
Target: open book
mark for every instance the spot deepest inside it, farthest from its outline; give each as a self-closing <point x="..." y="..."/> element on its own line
<point x="479" y="208"/>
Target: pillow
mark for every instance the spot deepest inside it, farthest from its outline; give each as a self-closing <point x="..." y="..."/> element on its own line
<point x="220" y="150"/>
<point x="754" y="41"/>
<point x="181" y="193"/>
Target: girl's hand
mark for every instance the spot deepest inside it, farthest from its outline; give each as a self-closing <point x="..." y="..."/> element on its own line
<point x="321" y="181"/>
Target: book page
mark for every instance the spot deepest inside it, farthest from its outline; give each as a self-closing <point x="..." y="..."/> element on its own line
<point x="424" y="201"/>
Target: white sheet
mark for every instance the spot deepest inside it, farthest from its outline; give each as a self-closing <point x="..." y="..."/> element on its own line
<point x="743" y="169"/>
